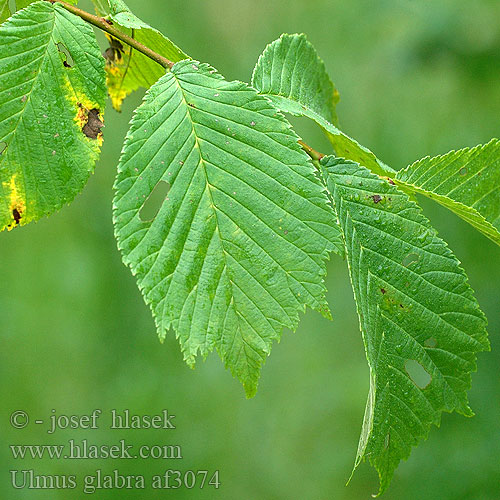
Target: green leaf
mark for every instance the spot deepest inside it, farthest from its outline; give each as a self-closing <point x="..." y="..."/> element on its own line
<point x="101" y="7"/>
<point x="238" y="246"/>
<point x="21" y="4"/>
<point x="290" y="73"/>
<point x="294" y="76"/>
<point x="51" y="103"/>
<point x="421" y="324"/>
<point x="4" y="10"/>
<point x="121" y="14"/>
<point x="465" y="181"/>
<point x="127" y="69"/>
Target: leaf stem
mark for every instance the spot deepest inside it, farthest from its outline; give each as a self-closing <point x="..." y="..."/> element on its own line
<point x="107" y="26"/>
<point x="315" y="155"/>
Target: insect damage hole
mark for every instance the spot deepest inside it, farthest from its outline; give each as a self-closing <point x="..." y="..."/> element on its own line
<point x="66" y="58"/>
<point x="155" y="200"/>
<point x="417" y="373"/>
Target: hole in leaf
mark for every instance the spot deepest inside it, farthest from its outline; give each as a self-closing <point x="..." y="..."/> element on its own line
<point x="66" y="58"/>
<point x="411" y="258"/>
<point x="154" y="202"/>
<point x="462" y="171"/>
<point x="417" y="373"/>
<point x="3" y="147"/>
<point x="430" y="342"/>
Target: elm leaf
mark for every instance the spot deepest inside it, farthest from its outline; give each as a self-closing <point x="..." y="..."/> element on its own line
<point x="420" y="322"/>
<point x="52" y="98"/>
<point x="465" y="181"/>
<point x="291" y="74"/>
<point x="238" y="246"/>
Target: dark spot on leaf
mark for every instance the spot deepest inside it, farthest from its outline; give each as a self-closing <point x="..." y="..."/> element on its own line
<point x="67" y="60"/>
<point x="94" y="124"/>
<point x="402" y="306"/>
<point x="16" y="215"/>
<point x="417" y="373"/>
<point x="191" y="104"/>
<point x="155" y="200"/>
<point x="376" y="198"/>
<point x="383" y="290"/>
<point x="391" y="181"/>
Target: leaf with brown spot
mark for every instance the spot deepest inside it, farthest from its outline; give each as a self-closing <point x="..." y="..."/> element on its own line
<point x="50" y="113"/>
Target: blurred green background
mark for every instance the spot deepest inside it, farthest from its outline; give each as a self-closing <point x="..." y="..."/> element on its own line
<point x="416" y="78"/>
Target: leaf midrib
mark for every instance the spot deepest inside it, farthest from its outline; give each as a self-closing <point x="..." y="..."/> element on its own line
<point x="215" y="210"/>
<point x="204" y="162"/>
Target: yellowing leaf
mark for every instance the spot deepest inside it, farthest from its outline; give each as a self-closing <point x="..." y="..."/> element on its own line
<point x="52" y="99"/>
<point x="126" y="68"/>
